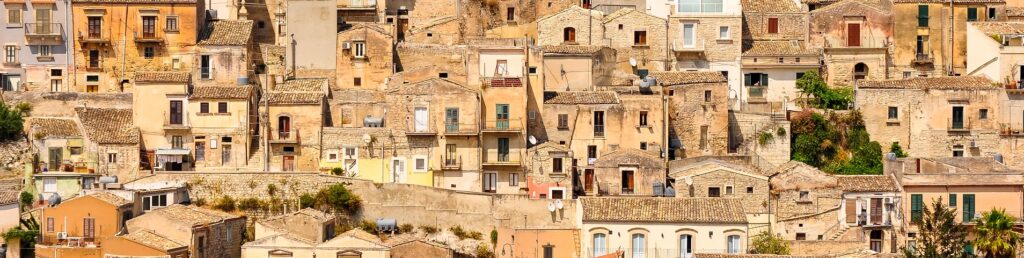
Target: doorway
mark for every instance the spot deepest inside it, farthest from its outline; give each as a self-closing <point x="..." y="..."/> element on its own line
<point x="588" y="180"/>
<point x="876" y="241"/>
<point x="288" y="163"/>
<point x="627" y="181"/>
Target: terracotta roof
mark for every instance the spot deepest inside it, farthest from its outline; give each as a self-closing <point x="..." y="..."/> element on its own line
<point x="191" y="215"/>
<point x="134" y="1"/>
<point x="776" y="48"/>
<point x="769" y="6"/>
<point x="1014" y="11"/>
<point x="707" y="255"/>
<point x="679" y="78"/>
<point x="108" y="125"/>
<point x="303" y="84"/>
<point x="227" y="33"/>
<point x="294" y="97"/>
<point x="868" y="183"/>
<point x="151" y="239"/>
<point x="222" y="92"/>
<point x="360" y="234"/>
<point x="665" y="210"/>
<point x="9" y="197"/>
<point x="110" y="198"/>
<point x="54" y="127"/>
<point x="304" y="216"/>
<point x="934" y="83"/>
<point x="158" y="76"/>
<point x="572" y="49"/>
<point x="581" y="97"/>
<point x="947" y="1"/>
<point x="1000" y="28"/>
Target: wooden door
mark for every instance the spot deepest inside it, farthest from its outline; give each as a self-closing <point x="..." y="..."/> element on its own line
<point x="876" y="211"/>
<point x="853" y="35"/>
<point x="56" y="158"/>
<point x="588" y="180"/>
<point x="851" y="211"/>
<point x="288" y="163"/>
<point x="627" y="181"/>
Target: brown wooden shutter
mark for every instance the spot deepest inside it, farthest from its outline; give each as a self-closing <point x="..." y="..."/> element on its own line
<point x="853" y="35"/>
<point x="851" y="211"/>
<point x="876" y="211"/>
<point x="773" y="25"/>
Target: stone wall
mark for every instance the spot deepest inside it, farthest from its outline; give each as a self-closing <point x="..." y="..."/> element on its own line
<point x="824" y="247"/>
<point x="745" y="130"/>
<point x="755" y="200"/>
<point x="587" y="24"/>
<point x="690" y="112"/>
<point x="652" y="54"/>
<point x="447" y="59"/>
<point x="62" y="104"/>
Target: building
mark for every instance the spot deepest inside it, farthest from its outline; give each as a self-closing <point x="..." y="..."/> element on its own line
<point x="698" y="112"/>
<point x="933" y="117"/>
<point x="62" y="140"/>
<point x="224" y="129"/>
<point x="353" y="243"/>
<point x="586" y="67"/>
<point x="83" y="226"/>
<point x="536" y="242"/>
<point x="638" y="36"/>
<point x="871" y="203"/>
<point x="205" y="232"/>
<point x="10" y="212"/>
<point x="571" y="26"/>
<point x="775" y="55"/>
<point x="63" y="184"/>
<point x="115" y="39"/>
<point x="624" y="172"/>
<point x="296" y="110"/>
<point x="717" y="178"/>
<point x="145" y="243"/>
<point x="503" y="132"/>
<point x="925" y="43"/>
<point x="112" y="141"/>
<point x="365" y="56"/>
<point x="1003" y="66"/>
<point x="710" y="38"/>
<point x="805" y="203"/>
<point x="305" y="40"/>
<point x="642" y="227"/>
<point x="225" y="54"/>
<point x="550" y="172"/>
<point x="35" y="56"/>
<point x="308" y="224"/>
<point x="855" y="38"/>
<point x="165" y="141"/>
<point x="412" y="248"/>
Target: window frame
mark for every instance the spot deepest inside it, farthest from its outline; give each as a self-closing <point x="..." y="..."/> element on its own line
<point x="415" y="163"/>
<point x="359" y="49"/>
<point x="725" y="34"/>
<point x="171" y="23"/>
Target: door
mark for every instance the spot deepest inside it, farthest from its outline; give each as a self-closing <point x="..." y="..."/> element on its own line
<point x="148" y="26"/>
<point x="225" y="153"/>
<point x="450" y="158"/>
<point x="43" y="22"/>
<point x="876" y="241"/>
<point x="853" y="35"/>
<point x="451" y="120"/>
<point x="627" y="181"/>
<point x="685" y="246"/>
<point x="403" y="26"/>
<point x="176" y="108"/>
<point x="588" y="180"/>
<point x="398" y="171"/>
<point x="288" y="163"/>
<point x="421" y="119"/>
<point x="688" y="35"/>
<point x="958" y="117"/>
<point x="490" y="182"/>
<point x="56" y="158"/>
<point x="876" y="211"/>
<point x="503" y="149"/>
<point x="501" y="116"/>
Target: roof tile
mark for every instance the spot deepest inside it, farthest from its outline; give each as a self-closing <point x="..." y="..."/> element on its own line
<point x="162" y="76"/>
<point x="933" y="83"/>
<point x="54" y="127"/>
<point x="108" y="125"/>
<point x="227" y="33"/>
<point x="581" y="97"/>
<point x="776" y="48"/>
<point x="868" y="183"/>
<point x="151" y="239"/>
<point x="294" y="97"/>
<point x="679" y="78"/>
<point x="222" y="92"/>
<point x="663" y="210"/>
<point x="572" y="49"/>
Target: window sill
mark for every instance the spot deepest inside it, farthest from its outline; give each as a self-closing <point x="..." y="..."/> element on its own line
<point x="641" y="46"/>
<point x="644" y="126"/>
<point x="563" y="128"/>
<point x="359" y="58"/>
<point x="214" y="114"/>
<point x="45" y="58"/>
<point x="723" y="41"/>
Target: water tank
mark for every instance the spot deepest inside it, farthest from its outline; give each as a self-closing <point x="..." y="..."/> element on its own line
<point x="108" y="179"/>
<point x="890" y="156"/>
<point x="648" y="82"/>
<point x="659" y="189"/>
<point x="669" y="192"/>
<point x="242" y="81"/>
<point x="54" y="199"/>
<point x="370" y="121"/>
<point x="999" y="157"/>
<point x="387" y="225"/>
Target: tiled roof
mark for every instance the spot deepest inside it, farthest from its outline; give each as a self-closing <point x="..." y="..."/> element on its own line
<point x="581" y="97"/>
<point x="110" y="198"/>
<point x="1014" y="11"/>
<point x="664" y="210"/>
<point x="709" y="255"/>
<point x="108" y="125"/>
<point x="151" y="239"/>
<point x="769" y="6"/>
<point x="868" y="183"/>
<point x="1000" y="28"/>
<point x="54" y="127"/>
<point x="955" y="1"/>
<point x="222" y="92"/>
<point x="305" y="216"/>
<point x="294" y="97"/>
<point x="155" y="76"/>
<point x="934" y="83"/>
<point x="776" y="48"/>
<point x="360" y="234"/>
<point x="191" y="215"/>
<point x="571" y="49"/>
<point x="134" y="1"/>
<point x="679" y="78"/>
<point x="303" y="84"/>
<point x="9" y="197"/>
<point x="227" y="33"/>
<point x="272" y="54"/>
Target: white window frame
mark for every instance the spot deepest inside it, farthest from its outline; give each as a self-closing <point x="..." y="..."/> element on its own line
<point x="728" y="190"/>
<point x="359" y="49"/>
<point x="490" y="186"/>
<point x="345" y="157"/>
<point x="337" y="156"/>
<point x="415" y="163"/>
<point x="9" y="55"/>
<point x="49" y="185"/>
<point x="729" y="244"/>
<point x="727" y="35"/>
<point x="551" y="192"/>
<point x="600" y="248"/>
<point x="513" y="179"/>
<point x="693" y="36"/>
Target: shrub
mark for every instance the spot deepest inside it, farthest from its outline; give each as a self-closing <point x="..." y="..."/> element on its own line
<point x="11" y="122"/>
<point x="781" y="131"/>
<point x="463" y="234"/>
<point x="429" y="229"/>
<point x="271" y="189"/>
<point x="494" y="237"/>
<point x="896" y="149"/>
<point x="368" y="226"/>
<point x="27" y="198"/>
<point x="199" y="202"/>
<point x="768" y="243"/>
<point x="764" y="138"/>
<point x="406" y="228"/>
<point x="482" y="251"/>
<point x="307" y="201"/>
<point x="24" y="108"/>
<point x="337" y="171"/>
<point x="823" y="95"/>
<point x="248" y="204"/>
<point x="339" y="198"/>
<point x="225" y="203"/>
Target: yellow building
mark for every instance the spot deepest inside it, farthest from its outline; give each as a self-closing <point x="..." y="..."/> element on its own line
<point x="159" y="107"/>
<point x="222" y="121"/>
<point x="922" y="42"/>
<point x="114" y="39"/>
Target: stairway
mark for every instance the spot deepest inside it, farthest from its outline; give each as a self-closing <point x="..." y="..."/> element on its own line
<point x="255" y="161"/>
<point x="839" y="234"/>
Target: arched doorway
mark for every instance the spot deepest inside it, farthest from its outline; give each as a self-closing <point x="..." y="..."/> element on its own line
<point x="860" y="71"/>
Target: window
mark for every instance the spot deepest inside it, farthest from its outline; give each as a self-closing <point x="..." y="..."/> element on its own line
<point x="972" y="14"/>
<point x="640" y="38"/>
<point x="549" y="251"/>
<point x="628" y="181"/>
<point x="556" y="165"/>
<point x="420" y="164"/>
<point x="991" y="13"/>
<point x="639" y="245"/>
<point x="853" y="35"/>
<point x="968" y="208"/>
<point x="906" y="75"/>
<point x="723" y="32"/>
<point x="442" y="75"/>
<point x="510" y="15"/>
<point x="734" y="244"/>
<point x="49" y="185"/>
<point x="894" y="113"/>
<point x="154" y="201"/>
<point x="204" y="108"/>
<point x="13" y="16"/>
<point x="600" y="242"/>
<point x="958" y="117"/>
<point x="148" y="27"/>
<point x="598" y="123"/>
<point x="714" y="192"/>
<point x="111" y="157"/>
<point x="952" y="200"/>
<point x="94" y="61"/>
<point x="11" y="54"/>
<point x="860" y="71"/>
<point x="95" y="27"/>
<point x="591" y="154"/>
<point x="700" y="6"/>
<point x="175" y="116"/>
<point x="643" y="145"/>
<point x="44" y="50"/>
<point x="773" y="25"/>
<point x="49" y="224"/>
<point x="707" y="96"/>
<point x="799" y="75"/>
<point x="359" y="49"/>
<point x="755" y="79"/>
<point x="750" y="189"/>
<point x="689" y="34"/>
<point x="205" y="70"/>
<point x="490" y="182"/>
<point x="200" y="151"/>
<point x="176" y="142"/>
<point x="801" y="236"/>
<point x="685" y="246"/>
<point x="804" y="196"/>
<point x="357" y="81"/>
<point x="172" y="23"/>
<point x="916" y="205"/>
<point x="569" y="34"/>
<point x="922" y="16"/>
<point x="513" y="179"/>
<point x="222" y="107"/>
<point x="532" y="70"/>
<point x="643" y="119"/>
<point x="351" y="161"/>
<point x="149" y="52"/>
<point x="728" y="190"/>
<point x="89" y="228"/>
<point x="983" y="114"/>
<point x="563" y="121"/>
<point x="75" y="150"/>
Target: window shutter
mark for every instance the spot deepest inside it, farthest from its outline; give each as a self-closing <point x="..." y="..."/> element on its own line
<point x="915" y="207"/>
<point x="746" y="79"/>
<point x="764" y="79"/>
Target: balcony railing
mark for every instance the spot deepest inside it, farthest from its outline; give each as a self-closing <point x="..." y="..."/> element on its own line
<point x="502" y="82"/>
<point x="504" y="125"/>
<point x="923" y="59"/>
<point x="356" y="4"/>
<point x="43" y="31"/>
<point x="680" y="46"/>
<point x="756" y="91"/>
<point x="700" y="7"/>
<point x="148" y="36"/>
<point x="1008" y="129"/>
<point x="502" y="159"/>
<point x="94" y="36"/>
<point x="426" y="130"/>
<point x="451" y="162"/>
<point x="285" y="136"/>
<point x="455" y="128"/>
<point x="962" y="125"/>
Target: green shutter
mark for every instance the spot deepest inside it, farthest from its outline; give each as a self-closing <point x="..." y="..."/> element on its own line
<point x="968" y="208"/>
<point x="922" y="15"/>
<point x="952" y="200"/>
<point x="764" y="79"/>
<point x="746" y="80"/>
<point x="916" y="203"/>
<point x="972" y="14"/>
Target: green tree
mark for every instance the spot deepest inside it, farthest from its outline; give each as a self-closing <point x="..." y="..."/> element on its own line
<point x="995" y="236"/>
<point x="768" y="243"/>
<point x="26" y="199"/>
<point x="307" y="200"/>
<point x="939" y="235"/>
<point x="835" y="143"/>
<point x="338" y="198"/>
<point x="823" y="95"/>
<point x="896" y="149"/>
<point x="10" y="122"/>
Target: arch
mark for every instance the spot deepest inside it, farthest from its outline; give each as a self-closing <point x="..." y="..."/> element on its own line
<point x="569" y="34"/>
<point x="860" y="71"/>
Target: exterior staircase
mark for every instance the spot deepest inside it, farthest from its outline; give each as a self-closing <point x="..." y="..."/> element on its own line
<point x="839" y="234"/>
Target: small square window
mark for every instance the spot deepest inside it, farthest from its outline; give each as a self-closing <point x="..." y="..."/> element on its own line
<point x="260" y="24"/>
<point x="222" y="107"/>
<point x="56" y="72"/>
<point x="707" y="96"/>
<point x="92" y="78"/>
<point x="643" y="145"/>
<point x="728" y="190"/>
<point x="149" y="52"/>
<point x="357" y="81"/>
<point x="420" y="164"/>
<point x="723" y="32"/>
<point x="204" y="108"/>
<point x="983" y="114"/>
<point x="288" y="149"/>
<point x="533" y="70"/>
<point x="750" y="189"/>
<point x="442" y="75"/>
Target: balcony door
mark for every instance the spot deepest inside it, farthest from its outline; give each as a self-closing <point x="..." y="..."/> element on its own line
<point x="503" y="149"/>
<point x="176" y="112"/>
<point x="501" y="116"/>
<point x="450" y="158"/>
<point x="421" y="119"/>
<point x="43" y="22"/>
<point x="689" y="35"/>
<point x="284" y="127"/>
<point x="451" y="120"/>
<point x="149" y="26"/>
<point x="853" y="35"/>
<point x="95" y="26"/>
<point x="288" y="163"/>
<point x="958" y="117"/>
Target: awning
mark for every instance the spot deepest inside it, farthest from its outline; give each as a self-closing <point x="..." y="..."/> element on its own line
<point x="171" y="155"/>
<point x="172" y="152"/>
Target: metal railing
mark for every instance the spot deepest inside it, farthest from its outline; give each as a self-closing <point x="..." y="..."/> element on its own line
<point x="495" y="158"/>
<point x="148" y="36"/>
<point x="356" y="4"/>
<point x="756" y="91"/>
<point x="598" y="130"/>
<point x="291" y="135"/>
<point x="923" y="58"/>
<point x="681" y="46"/>
<point x="169" y="121"/>
<point x="502" y="82"/>
<point x="43" y="29"/>
<point x="962" y="125"/>
<point x="700" y="7"/>
<point x="460" y="128"/>
<point x="508" y="125"/>
<point x="94" y="36"/>
<point x="451" y="162"/>
<point x="657" y="252"/>
<point x="1011" y="129"/>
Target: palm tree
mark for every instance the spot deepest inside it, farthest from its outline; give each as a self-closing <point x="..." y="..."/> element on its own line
<point x="995" y="234"/>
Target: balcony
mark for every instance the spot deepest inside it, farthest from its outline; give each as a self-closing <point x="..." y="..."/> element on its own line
<point x="756" y="91"/>
<point x="357" y="4"/>
<point x="679" y="46"/>
<point x="424" y="131"/>
<point x="148" y="36"/>
<point x="454" y="128"/>
<point x="1007" y="129"/>
<point x="175" y="121"/>
<point x="94" y="36"/>
<point x="43" y="32"/>
<point x="1015" y="87"/>
<point x="875" y="221"/>
<point x="922" y="59"/>
<point x="958" y="125"/>
<point x="451" y="162"/>
<point x="285" y="136"/>
<point x="502" y="159"/>
<point x="502" y="82"/>
<point x="504" y="126"/>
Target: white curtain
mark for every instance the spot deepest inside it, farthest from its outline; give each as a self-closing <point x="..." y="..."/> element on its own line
<point x="638" y="246"/>
<point x="600" y="247"/>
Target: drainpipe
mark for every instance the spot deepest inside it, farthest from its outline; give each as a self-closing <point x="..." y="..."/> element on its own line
<point x="124" y="48"/>
<point x="68" y="61"/>
<point x="952" y="36"/>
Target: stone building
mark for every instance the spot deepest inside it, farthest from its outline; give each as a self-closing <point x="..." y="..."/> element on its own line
<point x="94" y="218"/>
<point x="550" y="173"/>
<point x="111" y="141"/>
<point x="855" y="38"/>
<point x="60" y="143"/>
<point x="412" y="248"/>
<point x="225" y="54"/>
<point x="296" y="115"/>
<point x="160" y="109"/>
<point x="723" y="179"/>
<point x="307" y="224"/>
<point x="571" y="26"/>
<point x="35" y="49"/>
<point x="698" y="110"/>
<point x="205" y="232"/>
<point x="922" y="44"/>
<point x="775" y="55"/>
<point x="933" y="117"/>
<point x="805" y="203"/>
<point x="503" y="136"/>
<point x="636" y="35"/>
<point x="418" y="62"/>
<point x="353" y="243"/>
<point x="710" y="38"/>
<point x="871" y="207"/>
<point x="584" y="66"/>
<point x="115" y="39"/>
<point x="627" y="172"/>
<point x="365" y="57"/>
<point x="223" y="126"/>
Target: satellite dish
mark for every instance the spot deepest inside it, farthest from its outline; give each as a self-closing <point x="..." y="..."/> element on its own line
<point x="688" y="180"/>
<point x="632" y="61"/>
<point x="533" y="140"/>
<point x="367" y="138"/>
<point x="558" y="204"/>
<point x="551" y="207"/>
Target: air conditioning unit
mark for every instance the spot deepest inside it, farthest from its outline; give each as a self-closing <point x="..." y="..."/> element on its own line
<point x="346" y="45"/>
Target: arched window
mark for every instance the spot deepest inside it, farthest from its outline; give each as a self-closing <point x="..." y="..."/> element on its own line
<point x="284" y="127"/>
<point x="685" y="246"/>
<point x="639" y="245"/>
<point x="600" y="244"/>
<point x="569" y="34"/>
<point x="860" y="71"/>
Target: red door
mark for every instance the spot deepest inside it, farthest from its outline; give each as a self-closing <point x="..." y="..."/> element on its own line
<point x="853" y="35"/>
<point x="588" y="180"/>
<point x="288" y="163"/>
